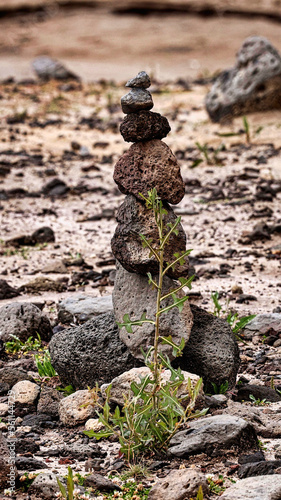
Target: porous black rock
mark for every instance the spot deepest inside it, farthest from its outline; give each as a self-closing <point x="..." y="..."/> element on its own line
<point x="90" y="353"/>
<point x="144" y="126"/>
<point x="211" y="351"/>
<point x="253" y="84"/>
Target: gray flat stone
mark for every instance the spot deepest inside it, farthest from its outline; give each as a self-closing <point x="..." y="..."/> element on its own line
<point x="142" y="81"/>
<point x="83" y="306"/>
<point x="262" y="324"/>
<point x="212" y="433"/>
<point x="136" y="100"/>
<point x="255" y="488"/>
<point x="133" y="295"/>
<point x="45" y="486"/>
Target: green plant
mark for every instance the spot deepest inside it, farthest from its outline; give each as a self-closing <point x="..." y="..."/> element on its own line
<point x="217" y="485"/>
<point x="200" y="494"/>
<point x="68" y="492"/>
<point x="210" y="159"/>
<point x="155" y="412"/>
<point x="258" y="402"/>
<point x="137" y="471"/>
<point x="221" y="389"/>
<point x="16" y="345"/>
<point x="261" y="446"/>
<point x="67" y="391"/>
<point x="247" y="129"/>
<point x="44" y="365"/>
<point x="233" y="319"/>
<point x="272" y="385"/>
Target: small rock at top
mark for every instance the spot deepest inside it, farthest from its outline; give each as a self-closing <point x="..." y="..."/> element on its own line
<point x="136" y="100"/>
<point x="142" y="81"/>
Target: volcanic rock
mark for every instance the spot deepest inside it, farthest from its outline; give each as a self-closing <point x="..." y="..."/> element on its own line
<point x="47" y="68"/>
<point x="148" y="165"/>
<point x="77" y="408"/>
<point x="7" y="291"/>
<point x="254" y="84"/>
<point x="142" y="81"/>
<point x="211" y="351"/>
<point x="134" y="219"/>
<point x="179" y="485"/>
<point x="136" y="100"/>
<point x="90" y="353"/>
<point x="255" y="488"/>
<point x="133" y="295"/>
<point x="121" y="385"/>
<point x="212" y="433"/>
<point x="144" y="126"/>
<point x="23" y="320"/>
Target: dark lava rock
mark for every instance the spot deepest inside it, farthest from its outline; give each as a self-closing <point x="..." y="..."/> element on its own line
<point x="7" y="291"/>
<point x="37" y="422"/>
<point x="43" y="235"/>
<point x="101" y="483"/>
<point x="47" y="68"/>
<point x="26" y="445"/>
<point x="134" y="218"/>
<point x="137" y="99"/>
<point x="254" y="84"/>
<point x="90" y="353"/>
<point x="49" y="401"/>
<point x="23" y="320"/>
<point x="56" y="187"/>
<point x="254" y="457"/>
<point x="211" y="351"/>
<point x="207" y="435"/>
<point x="29" y="463"/>
<point x="258" y="468"/>
<point x="142" y="81"/>
<point x="258" y="391"/>
<point x="80" y="451"/>
<point x="144" y="126"/>
<point x="148" y="165"/>
<point x="10" y="375"/>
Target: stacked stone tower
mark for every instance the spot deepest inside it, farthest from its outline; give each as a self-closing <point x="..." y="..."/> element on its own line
<point x="149" y="163"/>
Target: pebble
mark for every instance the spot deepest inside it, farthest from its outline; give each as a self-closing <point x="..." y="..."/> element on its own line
<point x="142" y="81"/>
<point x="136" y="100"/>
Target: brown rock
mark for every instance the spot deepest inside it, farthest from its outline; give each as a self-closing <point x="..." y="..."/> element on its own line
<point x="148" y="165"/>
<point x="144" y="126"/>
<point x="134" y="219"/>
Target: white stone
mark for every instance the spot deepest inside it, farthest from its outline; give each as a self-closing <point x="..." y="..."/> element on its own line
<point x="25" y="392"/>
<point x="93" y="424"/>
<point x="72" y="410"/>
<point x="121" y="384"/>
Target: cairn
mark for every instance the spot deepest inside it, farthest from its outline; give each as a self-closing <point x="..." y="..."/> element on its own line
<point x="149" y="163"/>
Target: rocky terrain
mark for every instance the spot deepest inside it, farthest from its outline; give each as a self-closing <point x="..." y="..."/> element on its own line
<point x="60" y="142"/>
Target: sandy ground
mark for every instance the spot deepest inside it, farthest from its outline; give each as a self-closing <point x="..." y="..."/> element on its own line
<point x="206" y="221"/>
<point x="96" y="43"/>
